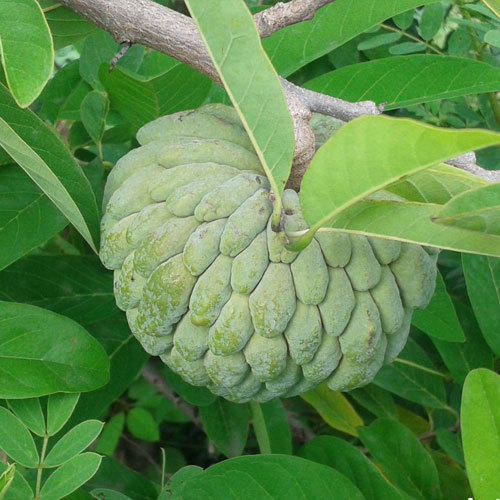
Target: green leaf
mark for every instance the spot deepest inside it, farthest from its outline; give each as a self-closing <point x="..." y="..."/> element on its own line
<point x="6" y="479"/>
<point x="450" y="443"/>
<point x="475" y="210"/>
<point x="105" y="494"/>
<point x="379" y="40"/>
<point x="403" y="458"/>
<point x="26" y="49"/>
<point x="140" y="101"/>
<point x="271" y="426"/>
<point x="452" y="477"/>
<point x="460" y="359"/>
<point x="67" y="27"/>
<point x="99" y="48"/>
<point x="334" y="409"/>
<point x="482" y="275"/>
<point x="27" y="217"/>
<point x="252" y="83"/>
<point x="293" y="47"/>
<point x="226" y="424"/>
<point x="29" y="411"/>
<point x="59" y="409"/>
<point x="93" y="112"/>
<point x="70" y="476"/>
<point x="16" y="440"/>
<point x="110" y="435"/>
<point x="493" y="38"/>
<point x="142" y="425"/>
<point x="44" y="157"/>
<point x="348" y="460"/>
<point x="376" y="400"/>
<point x="197" y="396"/>
<point x="404" y="20"/>
<point x="126" y="357"/>
<point x="409" y="377"/>
<point x="436" y="184"/>
<point x="73" y="442"/>
<point x="262" y="477"/>
<point x="404" y="48"/>
<point x="431" y="19"/>
<point x="19" y="489"/>
<point x="480" y="417"/>
<point x="493" y="5"/>
<point x="76" y="286"/>
<point x="405" y="80"/>
<point x="439" y="319"/>
<point x="42" y="353"/>
<point x="386" y="150"/>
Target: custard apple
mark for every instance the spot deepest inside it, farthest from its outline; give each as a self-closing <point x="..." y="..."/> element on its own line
<point x="209" y="286"/>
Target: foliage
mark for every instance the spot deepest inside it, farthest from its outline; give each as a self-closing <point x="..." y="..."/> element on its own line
<point x="71" y="374"/>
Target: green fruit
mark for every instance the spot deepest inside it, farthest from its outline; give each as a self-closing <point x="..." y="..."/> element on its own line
<point x="210" y="287"/>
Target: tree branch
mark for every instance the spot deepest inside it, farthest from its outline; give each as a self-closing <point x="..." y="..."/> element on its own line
<point x="281" y="15"/>
<point x="152" y="25"/>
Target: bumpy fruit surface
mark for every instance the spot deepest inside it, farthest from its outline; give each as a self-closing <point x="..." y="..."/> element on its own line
<point x="209" y="287"/>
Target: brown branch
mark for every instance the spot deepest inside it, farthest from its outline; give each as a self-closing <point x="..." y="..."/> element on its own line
<point x="282" y="15"/>
<point x="152" y="25"/>
<point x="157" y="380"/>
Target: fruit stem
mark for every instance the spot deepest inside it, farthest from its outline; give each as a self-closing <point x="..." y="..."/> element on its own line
<point x="260" y="429"/>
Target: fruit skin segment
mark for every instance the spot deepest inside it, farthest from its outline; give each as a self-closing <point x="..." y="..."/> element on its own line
<point x="209" y="286"/>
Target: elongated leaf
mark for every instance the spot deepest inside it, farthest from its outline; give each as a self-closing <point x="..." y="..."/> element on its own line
<point x="450" y="443"/>
<point x="406" y="80"/>
<point x="73" y="442"/>
<point x="105" y="494"/>
<point x="460" y="358"/>
<point x="335" y="410"/>
<point x="494" y="5"/>
<point x="29" y="411"/>
<point x="349" y="460"/>
<point x="439" y="319"/>
<point x="126" y="357"/>
<point x="75" y="286"/>
<point x="251" y="81"/>
<point x="259" y="477"/>
<point x="139" y="100"/>
<point x="376" y="400"/>
<point x="42" y="353"/>
<point x="452" y="477"/>
<point x="332" y="26"/>
<point x="475" y="210"/>
<point x="27" y="66"/>
<point x="59" y="409"/>
<point x="70" y="476"/>
<point x="27" y="217"/>
<point x="6" y="478"/>
<point x="19" y="488"/>
<point x="403" y="458"/>
<point x="43" y="156"/>
<point x="271" y="427"/>
<point x="482" y="275"/>
<point x="93" y="112"/>
<point x="226" y="424"/>
<point x="386" y="150"/>
<point x="142" y="425"/>
<point x="409" y="378"/>
<point x="16" y="440"/>
<point x="412" y="222"/>
<point x="110" y="435"/>
<point x="436" y="184"/>
<point x="480" y="417"/>
<point x="430" y="20"/>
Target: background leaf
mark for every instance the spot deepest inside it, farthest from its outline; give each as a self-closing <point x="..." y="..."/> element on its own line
<point x="27" y="66"/>
<point x="226" y="424"/>
<point x="43" y="353"/>
<point x="27" y="217"/>
<point x="93" y="112"/>
<point x="333" y="25"/>
<point x="142" y="425"/>
<point x="482" y="275"/>
<point x="404" y="459"/>
<point x="231" y="38"/>
<point x="29" y="411"/>
<point x="405" y="80"/>
<point x="16" y="440"/>
<point x="480" y="415"/>
<point x="43" y="156"/>
<point x="334" y="408"/>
